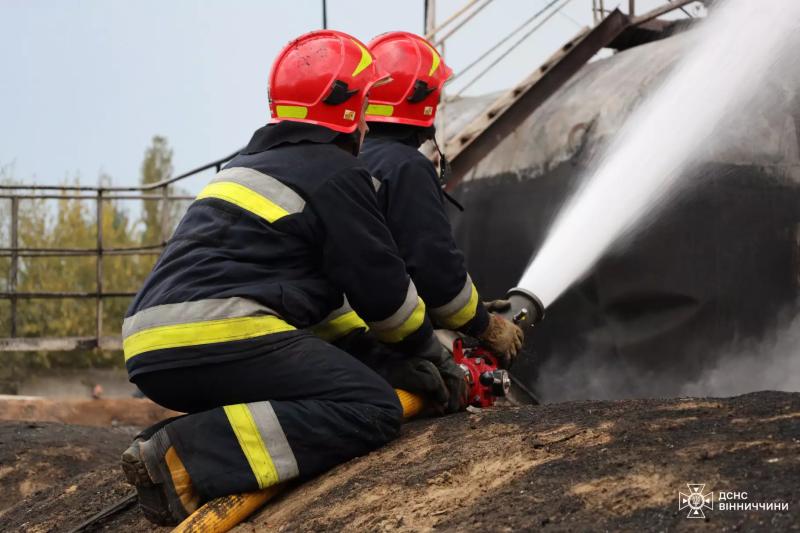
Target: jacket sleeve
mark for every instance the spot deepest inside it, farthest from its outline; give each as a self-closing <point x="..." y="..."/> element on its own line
<point x="414" y="208"/>
<point x="361" y="258"/>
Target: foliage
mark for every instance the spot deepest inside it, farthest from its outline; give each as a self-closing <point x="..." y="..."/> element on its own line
<point x="71" y="223"/>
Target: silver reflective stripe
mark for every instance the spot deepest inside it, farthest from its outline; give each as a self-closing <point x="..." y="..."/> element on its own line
<point x="376" y="183"/>
<point x="197" y="311"/>
<point x="336" y="313"/>
<point x="455" y="305"/>
<point x="265" y="185"/>
<point x="399" y="317"/>
<point x="274" y="439"/>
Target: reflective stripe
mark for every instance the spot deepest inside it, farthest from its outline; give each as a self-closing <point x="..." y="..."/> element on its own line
<point x="291" y="111"/>
<point x="197" y="311"/>
<point x="376" y="183"/>
<point x="199" y="333"/>
<point x="380" y="110"/>
<point x="366" y="59"/>
<point x="339" y="323"/>
<point x="435" y="60"/>
<point x="460" y="310"/>
<point x="406" y="320"/>
<point x="254" y="191"/>
<point x="263" y="442"/>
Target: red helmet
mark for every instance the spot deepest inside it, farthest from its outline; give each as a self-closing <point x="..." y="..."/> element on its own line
<point x="322" y="78"/>
<point x="417" y="76"/>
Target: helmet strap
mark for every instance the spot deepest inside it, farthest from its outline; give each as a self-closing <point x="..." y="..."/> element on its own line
<point x="444" y="175"/>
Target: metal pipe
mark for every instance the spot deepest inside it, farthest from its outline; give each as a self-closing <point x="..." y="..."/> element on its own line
<point x="54" y="294"/>
<point x="107" y="197"/>
<point x="501" y="42"/>
<point x="149" y="187"/>
<point x="93" y="251"/>
<point x="511" y="48"/>
<point x="631" y="8"/>
<point x="99" y="268"/>
<point x="466" y="19"/>
<point x="77" y="253"/>
<point x="165" y="230"/>
<point x="14" y="267"/>
<point x="430" y="10"/>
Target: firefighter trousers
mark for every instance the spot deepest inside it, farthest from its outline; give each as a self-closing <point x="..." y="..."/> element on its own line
<point x="293" y="411"/>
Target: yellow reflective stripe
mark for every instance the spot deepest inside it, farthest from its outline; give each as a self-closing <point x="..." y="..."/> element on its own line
<point x="291" y="111"/>
<point x="409" y="326"/>
<point x="463" y="315"/>
<point x="339" y="326"/>
<point x="199" y="333"/>
<point x="436" y="59"/>
<point x="245" y="198"/>
<point x="246" y="430"/>
<point x="380" y="110"/>
<point x="366" y="59"/>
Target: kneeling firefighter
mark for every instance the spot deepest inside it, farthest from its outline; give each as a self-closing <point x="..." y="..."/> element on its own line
<point x="401" y="117"/>
<point x="221" y="327"/>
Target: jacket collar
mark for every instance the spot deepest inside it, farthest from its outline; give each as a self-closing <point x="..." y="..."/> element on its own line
<point x="288" y="132"/>
<point x="397" y="132"/>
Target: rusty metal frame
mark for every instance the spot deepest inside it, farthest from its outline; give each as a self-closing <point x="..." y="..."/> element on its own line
<point x="481" y="136"/>
<point x="159" y="191"/>
<point x="469" y="146"/>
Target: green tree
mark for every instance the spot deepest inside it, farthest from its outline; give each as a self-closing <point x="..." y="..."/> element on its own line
<point x="156" y="166"/>
<point x="72" y="223"/>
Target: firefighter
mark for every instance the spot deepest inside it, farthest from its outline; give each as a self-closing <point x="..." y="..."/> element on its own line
<point x="401" y="117"/>
<point x="221" y="328"/>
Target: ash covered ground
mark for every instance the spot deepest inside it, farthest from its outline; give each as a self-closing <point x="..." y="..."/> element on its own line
<point x="577" y="466"/>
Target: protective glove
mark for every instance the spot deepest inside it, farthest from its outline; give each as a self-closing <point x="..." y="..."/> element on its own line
<point x="502" y="337"/>
<point x="497" y="306"/>
<point x="416" y="375"/>
<point x="453" y="375"/>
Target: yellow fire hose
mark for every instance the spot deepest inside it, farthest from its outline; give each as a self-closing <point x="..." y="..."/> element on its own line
<point x="221" y="514"/>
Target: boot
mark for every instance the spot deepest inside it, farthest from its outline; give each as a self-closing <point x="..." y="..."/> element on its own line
<point x="165" y="490"/>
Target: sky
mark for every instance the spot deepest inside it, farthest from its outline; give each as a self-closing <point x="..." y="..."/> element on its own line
<point x="87" y="83"/>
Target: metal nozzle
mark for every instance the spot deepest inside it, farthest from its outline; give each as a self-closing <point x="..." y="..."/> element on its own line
<point x="498" y="380"/>
<point x="526" y="309"/>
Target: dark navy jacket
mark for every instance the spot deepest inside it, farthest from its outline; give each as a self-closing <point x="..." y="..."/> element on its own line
<point x="268" y="246"/>
<point x="411" y="199"/>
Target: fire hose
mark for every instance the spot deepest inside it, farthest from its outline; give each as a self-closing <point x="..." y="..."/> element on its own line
<point x="485" y="380"/>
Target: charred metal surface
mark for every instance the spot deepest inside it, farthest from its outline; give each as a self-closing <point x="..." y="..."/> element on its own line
<point x="715" y="274"/>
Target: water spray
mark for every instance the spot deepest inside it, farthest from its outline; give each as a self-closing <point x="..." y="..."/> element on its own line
<point x="722" y="72"/>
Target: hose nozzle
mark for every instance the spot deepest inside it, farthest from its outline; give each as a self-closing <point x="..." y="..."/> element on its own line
<point x="526" y="309"/>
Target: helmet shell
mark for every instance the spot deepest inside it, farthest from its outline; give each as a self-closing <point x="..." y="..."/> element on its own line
<point x="418" y="74"/>
<point x="323" y="78"/>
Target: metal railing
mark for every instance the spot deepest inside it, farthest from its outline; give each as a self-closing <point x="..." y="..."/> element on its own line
<point x="159" y="191"/>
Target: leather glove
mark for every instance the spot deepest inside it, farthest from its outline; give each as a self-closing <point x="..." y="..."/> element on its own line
<point x="502" y="337"/>
<point x="453" y="375"/>
<point x="497" y="306"/>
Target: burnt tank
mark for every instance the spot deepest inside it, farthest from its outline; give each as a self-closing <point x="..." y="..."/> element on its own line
<point x="712" y="277"/>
